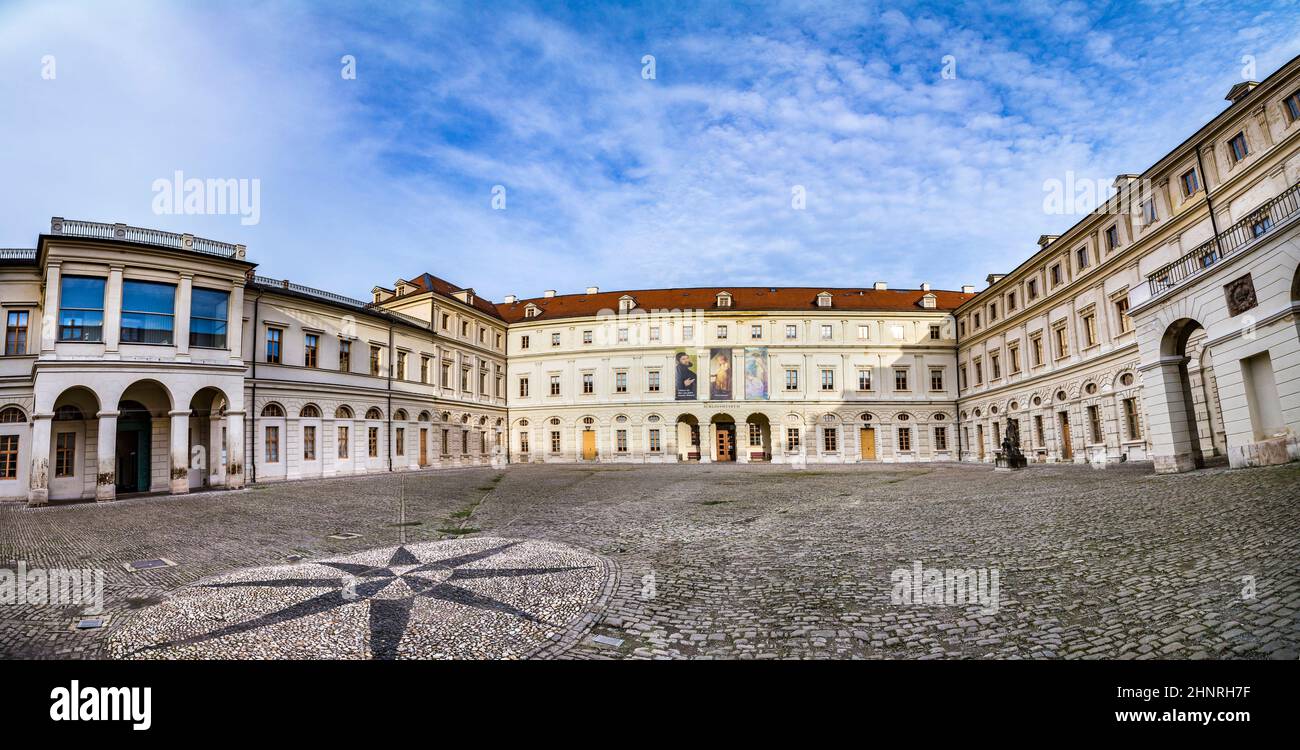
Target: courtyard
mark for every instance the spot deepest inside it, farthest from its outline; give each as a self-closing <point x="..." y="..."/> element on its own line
<point x="680" y="561"/>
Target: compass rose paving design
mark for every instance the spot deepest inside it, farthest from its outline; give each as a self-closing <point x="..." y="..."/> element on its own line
<point x="481" y="598"/>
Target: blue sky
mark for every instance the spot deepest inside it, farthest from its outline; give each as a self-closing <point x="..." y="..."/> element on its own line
<point x="610" y="179"/>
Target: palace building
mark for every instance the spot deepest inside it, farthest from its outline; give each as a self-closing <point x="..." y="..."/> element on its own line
<point x="1164" y="326"/>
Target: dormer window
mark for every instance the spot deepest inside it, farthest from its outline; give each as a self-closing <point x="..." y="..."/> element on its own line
<point x="626" y="303"/>
<point x="532" y="311"/>
<point x="929" y="301"/>
<point x="824" y="299"/>
<point x="724" y="299"/>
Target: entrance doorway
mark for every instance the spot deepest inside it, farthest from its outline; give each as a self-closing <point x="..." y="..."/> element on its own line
<point x="726" y="441"/>
<point x="867" y="439"/>
<point x="979" y="438"/>
<point x="424" y="447"/>
<point x="134" y="457"/>
<point x="588" y="445"/>
<point x="1067" y="450"/>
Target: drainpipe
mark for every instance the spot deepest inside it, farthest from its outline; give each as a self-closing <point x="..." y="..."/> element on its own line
<point x="250" y="434"/>
<point x="392" y="357"/>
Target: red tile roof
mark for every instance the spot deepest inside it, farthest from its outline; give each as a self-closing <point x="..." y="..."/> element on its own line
<point x="431" y="283"/>
<point x="744" y="299"/>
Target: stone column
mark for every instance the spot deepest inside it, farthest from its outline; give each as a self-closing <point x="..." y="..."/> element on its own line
<point x="1170" y="413"/>
<point x="180" y="451"/>
<point x="234" y="449"/>
<point x="50" y="319"/>
<point x="113" y="312"/>
<point x="235" y="323"/>
<point x="184" y="295"/>
<point x="39" y="492"/>
<point x="106" y="455"/>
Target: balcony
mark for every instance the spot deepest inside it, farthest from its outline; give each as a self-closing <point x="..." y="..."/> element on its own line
<point x="157" y="238"/>
<point x="1264" y="220"/>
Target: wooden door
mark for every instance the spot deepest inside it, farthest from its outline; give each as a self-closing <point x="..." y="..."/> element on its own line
<point x="1067" y="450"/>
<point x="424" y="447"/>
<point x="979" y="438"/>
<point x="588" y="445"/>
<point x="867" y="439"/>
<point x="726" y="445"/>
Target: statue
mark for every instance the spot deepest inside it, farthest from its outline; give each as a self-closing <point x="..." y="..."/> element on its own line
<point x="1010" y="458"/>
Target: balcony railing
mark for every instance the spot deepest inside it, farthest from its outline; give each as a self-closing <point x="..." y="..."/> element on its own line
<point x="1270" y="215"/>
<point x="155" y="237"/>
<point x="17" y="253"/>
<point x="287" y="285"/>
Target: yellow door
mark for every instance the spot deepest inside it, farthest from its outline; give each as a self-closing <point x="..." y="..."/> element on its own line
<point x="588" y="445"/>
<point x="867" y="438"/>
<point x="424" y="447"/>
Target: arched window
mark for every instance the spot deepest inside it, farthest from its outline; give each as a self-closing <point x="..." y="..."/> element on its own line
<point x="310" y="411"/>
<point x="374" y="413"/>
<point x="424" y="416"/>
<point x="272" y="410"/>
<point x="343" y="412"/>
<point x="11" y="415"/>
<point x="399" y="415"/>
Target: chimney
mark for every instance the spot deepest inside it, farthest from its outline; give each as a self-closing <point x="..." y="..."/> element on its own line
<point x="1239" y="91"/>
<point x="1122" y="180"/>
<point x="1046" y="239"/>
<point x="593" y="290"/>
<point x="925" y="287"/>
<point x="994" y="278"/>
<point x="967" y="289"/>
<point x="548" y="293"/>
<point x="510" y="299"/>
<point x="880" y="286"/>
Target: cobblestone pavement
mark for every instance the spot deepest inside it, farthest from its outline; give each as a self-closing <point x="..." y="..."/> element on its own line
<point x="759" y="561"/>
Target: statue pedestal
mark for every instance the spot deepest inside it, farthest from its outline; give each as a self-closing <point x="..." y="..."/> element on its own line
<point x="1007" y="461"/>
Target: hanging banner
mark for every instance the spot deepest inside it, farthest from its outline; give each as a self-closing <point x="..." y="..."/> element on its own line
<point x="756" y="373"/>
<point x="686" y="378"/>
<point x="720" y="380"/>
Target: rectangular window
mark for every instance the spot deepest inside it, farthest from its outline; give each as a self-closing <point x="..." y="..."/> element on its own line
<point x="16" y="333"/>
<point x="1062" y="343"/>
<point x="900" y="380"/>
<point x="587" y="337"/>
<point x="1032" y="289"/>
<point x="1191" y="183"/>
<point x="1090" y="330"/>
<point x="523" y="342"/>
<point x="792" y="332"/>
<point x="8" y="456"/>
<point x="399" y="440"/>
<point x="622" y="336"/>
<point x="1011" y="302"/>
<point x="424" y="369"/>
<point x="1293" y="106"/>
<point x="1149" y="211"/>
<point x="309" y="443"/>
<point x="523" y="386"/>
<point x="148" y="310"/>
<point x="345" y="356"/>
<point x="941" y="438"/>
<point x="1094" y="423"/>
<point x="1131" y="424"/>
<point x="1238" y="147"/>
<point x="934" y="333"/>
<point x="446" y="374"/>
<point x="688" y="333"/>
<point x="464" y="379"/>
<point x="995" y="365"/>
<point x="1056" y="275"/>
<point x="311" y="347"/>
<point x="555" y="385"/>
<point x="976" y="321"/>
<point x="65" y="454"/>
<point x="830" y="439"/>
<point x="979" y="371"/>
<point x="755" y="434"/>
<point x="792" y="380"/>
<point x="620" y="441"/>
<point x="1013" y="353"/>
<point x="81" y="309"/>
<point x="828" y="380"/>
<point x="864" y="380"/>
<point x="400" y="373"/>
<point x="272" y="454"/>
<point x="792" y="438"/>
<point x="209" y="310"/>
<point x="273" y="341"/>
<point x="827" y="333"/>
<point x="655" y="445"/>
<point x="722" y="332"/>
<point x="993" y="312"/>
<point x="620" y="382"/>
<point x="1036" y="348"/>
<point x="343" y="443"/>
<point x="652" y="381"/>
<point x="588" y="383"/>
<point x="1112" y="238"/>
<point x="905" y="439"/>
<point x="523" y="442"/>
<point x="372" y="441"/>
<point x="374" y="360"/>
<point x="1038" y="429"/>
<point x="1081" y="257"/>
<point x="464" y="442"/>
<point x="961" y="376"/>
<point x="655" y="334"/>
<point x="936" y="379"/>
<point x="555" y="441"/>
<point x="756" y="332"/>
<point x="482" y="442"/>
<point x="555" y="339"/>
